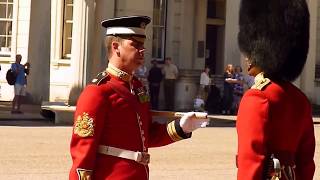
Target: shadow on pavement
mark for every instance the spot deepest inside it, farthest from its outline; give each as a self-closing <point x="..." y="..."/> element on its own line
<point x="221" y="123"/>
<point x="30" y="123"/>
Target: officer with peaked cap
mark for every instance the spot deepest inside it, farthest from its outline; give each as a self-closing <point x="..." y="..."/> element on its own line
<point x="113" y="127"/>
<point x="274" y="123"/>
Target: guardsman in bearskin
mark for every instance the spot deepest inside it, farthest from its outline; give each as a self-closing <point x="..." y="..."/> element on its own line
<point x="113" y="127"/>
<point x="274" y="124"/>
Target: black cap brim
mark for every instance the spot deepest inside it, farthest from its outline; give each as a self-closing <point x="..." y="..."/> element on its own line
<point x="126" y="21"/>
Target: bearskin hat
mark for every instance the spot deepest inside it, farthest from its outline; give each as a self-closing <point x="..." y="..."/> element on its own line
<point x="274" y="35"/>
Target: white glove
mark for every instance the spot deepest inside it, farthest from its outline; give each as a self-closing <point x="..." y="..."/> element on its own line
<point x="189" y="122"/>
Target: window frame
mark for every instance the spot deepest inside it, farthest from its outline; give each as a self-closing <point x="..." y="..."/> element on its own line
<point x="159" y="29"/>
<point x="66" y="39"/>
<point x="5" y="55"/>
<point x="57" y="56"/>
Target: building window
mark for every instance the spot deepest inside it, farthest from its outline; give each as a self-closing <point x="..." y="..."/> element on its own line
<point x="67" y="29"/>
<point x="159" y="29"/>
<point x="6" y="18"/>
<point x="216" y="9"/>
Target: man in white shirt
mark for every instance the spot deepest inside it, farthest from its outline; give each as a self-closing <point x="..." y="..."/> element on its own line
<point x="204" y="83"/>
<point x="170" y="72"/>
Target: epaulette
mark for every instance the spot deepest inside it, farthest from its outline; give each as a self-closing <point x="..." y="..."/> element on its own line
<point x="100" y="77"/>
<point x="260" y="82"/>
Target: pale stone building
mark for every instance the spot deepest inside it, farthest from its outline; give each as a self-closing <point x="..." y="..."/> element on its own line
<point x="63" y="41"/>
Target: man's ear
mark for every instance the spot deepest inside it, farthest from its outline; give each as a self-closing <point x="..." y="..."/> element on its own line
<point x="115" y="47"/>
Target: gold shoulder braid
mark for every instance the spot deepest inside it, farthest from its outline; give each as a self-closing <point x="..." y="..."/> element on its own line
<point x="100" y="77"/>
<point x="260" y="82"/>
<point x="140" y="92"/>
<point x="84" y="125"/>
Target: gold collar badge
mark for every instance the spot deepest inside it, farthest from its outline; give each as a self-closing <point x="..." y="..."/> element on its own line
<point x="260" y="81"/>
<point x="119" y="73"/>
<point x="84" y="125"/>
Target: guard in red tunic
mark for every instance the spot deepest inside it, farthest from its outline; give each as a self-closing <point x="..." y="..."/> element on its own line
<point x="274" y="124"/>
<point x="113" y="127"/>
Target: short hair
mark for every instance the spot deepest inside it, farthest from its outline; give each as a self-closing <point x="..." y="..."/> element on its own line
<point x="227" y="67"/>
<point x="18" y="56"/>
<point x="239" y="68"/>
<point x="168" y="60"/>
<point x="274" y="35"/>
<point x="109" y="40"/>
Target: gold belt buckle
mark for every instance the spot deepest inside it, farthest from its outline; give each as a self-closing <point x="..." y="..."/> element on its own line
<point x="143" y="158"/>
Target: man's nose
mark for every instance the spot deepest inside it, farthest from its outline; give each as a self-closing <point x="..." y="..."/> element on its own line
<point x="142" y="50"/>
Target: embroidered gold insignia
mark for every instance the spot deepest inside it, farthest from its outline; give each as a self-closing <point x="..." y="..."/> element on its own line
<point x="143" y="25"/>
<point x="84" y="125"/>
<point x="142" y="95"/>
<point x="84" y="174"/>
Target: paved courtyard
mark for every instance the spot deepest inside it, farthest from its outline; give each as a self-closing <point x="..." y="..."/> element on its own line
<point x="40" y="151"/>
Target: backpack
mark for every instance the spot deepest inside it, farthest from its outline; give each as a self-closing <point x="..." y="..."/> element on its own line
<point x="11" y="77"/>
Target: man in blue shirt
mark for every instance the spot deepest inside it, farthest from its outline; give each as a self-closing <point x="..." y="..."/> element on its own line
<point x="21" y="82"/>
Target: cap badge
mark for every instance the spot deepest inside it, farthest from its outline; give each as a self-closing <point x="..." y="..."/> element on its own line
<point x="143" y="25"/>
<point x="84" y="125"/>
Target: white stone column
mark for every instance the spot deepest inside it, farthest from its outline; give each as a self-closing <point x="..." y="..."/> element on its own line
<point x="174" y="30"/>
<point x="82" y="32"/>
<point x="79" y="49"/>
<point x="231" y="50"/>
<point x="105" y="9"/>
<point x="186" y="35"/>
<point x="200" y="33"/>
<point x="307" y="77"/>
<point x="39" y="50"/>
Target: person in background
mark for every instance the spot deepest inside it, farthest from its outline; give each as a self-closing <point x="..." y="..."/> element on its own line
<point x="275" y="129"/>
<point x="238" y="88"/>
<point x="113" y="127"/>
<point x="198" y="104"/>
<point x="141" y="73"/>
<point x="237" y="80"/>
<point x="248" y="82"/>
<point x="27" y="71"/>
<point x="20" y="85"/>
<point x="227" y="97"/>
<point x="205" y="84"/>
<point x="155" y="77"/>
<point x="170" y="72"/>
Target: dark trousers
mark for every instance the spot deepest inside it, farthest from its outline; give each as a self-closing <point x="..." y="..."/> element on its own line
<point x="227" y="99"/>
<point x="154" y="89"/>
<point x="169" y="89"/>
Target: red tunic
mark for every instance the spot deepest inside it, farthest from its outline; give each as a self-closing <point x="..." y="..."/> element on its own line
<point x="276" y="119"/>
<point x="114" y="123"/>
